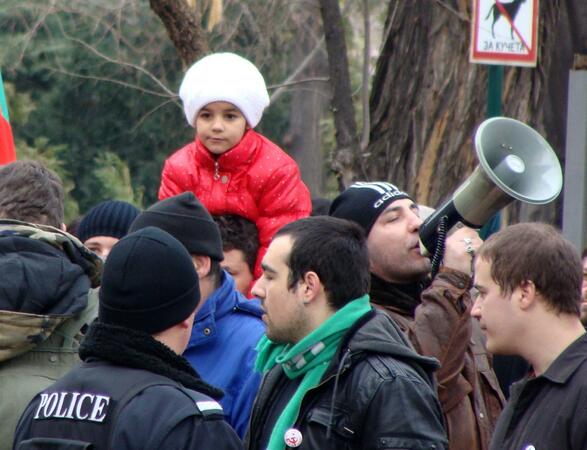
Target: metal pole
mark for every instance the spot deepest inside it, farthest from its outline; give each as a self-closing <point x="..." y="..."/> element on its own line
<point x="494" y="91"/>
<point x="575" y="193"/>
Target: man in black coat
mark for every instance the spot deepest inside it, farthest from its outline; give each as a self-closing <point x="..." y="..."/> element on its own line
<point x="337" y="373"/>
<point x="133" y="389"/>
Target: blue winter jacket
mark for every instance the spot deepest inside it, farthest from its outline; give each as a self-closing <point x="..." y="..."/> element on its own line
<point x="222" y="349"/>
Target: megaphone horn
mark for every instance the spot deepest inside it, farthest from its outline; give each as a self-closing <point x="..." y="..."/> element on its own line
<point x="515" y="162"/>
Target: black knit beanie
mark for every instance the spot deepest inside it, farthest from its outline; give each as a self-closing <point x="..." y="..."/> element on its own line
<point x="149" y="282"/>
<point x="187" y="220"/>
<point x="110" y="218"/>
<point x="363" y="202"/>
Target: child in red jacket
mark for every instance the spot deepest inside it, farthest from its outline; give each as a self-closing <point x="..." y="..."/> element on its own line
<point x="231" y="168"/>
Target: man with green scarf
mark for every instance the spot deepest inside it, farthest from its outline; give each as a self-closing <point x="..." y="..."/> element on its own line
<point x="337" y="374"/>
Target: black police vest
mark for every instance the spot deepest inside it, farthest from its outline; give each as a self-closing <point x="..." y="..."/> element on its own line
<point x="80" y="410"/>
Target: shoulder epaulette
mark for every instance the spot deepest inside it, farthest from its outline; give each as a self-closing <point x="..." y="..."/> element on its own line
<point x="209" y="408"/>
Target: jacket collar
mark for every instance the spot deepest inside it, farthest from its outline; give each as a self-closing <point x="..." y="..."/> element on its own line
<point x="377" y="333"/>
<point x="401" y="297"/>
<point x="231" y="161"/>
<point x="221" y="302"/>
<point x="136" y="349"/>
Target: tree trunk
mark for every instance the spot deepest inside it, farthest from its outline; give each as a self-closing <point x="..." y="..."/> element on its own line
<point x="346" y="160"/>
<point x="427" y="100"/>
<point x="183" y="27"/>
<point x="308" y="101"/>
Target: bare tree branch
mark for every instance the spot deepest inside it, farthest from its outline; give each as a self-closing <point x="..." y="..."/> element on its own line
<point x="119" y="62"/>
<point x="115" y="81"/>
<point x="365" y="83"/>
<point x="148" y="113"/>
<point x="285" y="84"/>
<point x="31" y="33"/>
<point x="305" y="63"/>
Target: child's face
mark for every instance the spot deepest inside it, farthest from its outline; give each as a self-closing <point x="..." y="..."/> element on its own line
<point x="220" y="126"/>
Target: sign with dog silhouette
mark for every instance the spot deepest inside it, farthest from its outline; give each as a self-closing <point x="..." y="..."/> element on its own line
<point x="505" y="32"/>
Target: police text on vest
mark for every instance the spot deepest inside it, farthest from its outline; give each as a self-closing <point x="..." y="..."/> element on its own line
<point x="73" y="405"/>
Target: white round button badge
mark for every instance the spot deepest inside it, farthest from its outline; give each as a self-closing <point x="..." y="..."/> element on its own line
<point x="293" y="438"/>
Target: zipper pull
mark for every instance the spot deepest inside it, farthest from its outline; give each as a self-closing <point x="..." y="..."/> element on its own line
<point x="216" y="170"/>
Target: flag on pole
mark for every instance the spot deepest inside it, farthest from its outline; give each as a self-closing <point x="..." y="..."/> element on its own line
<point x="7" y="152"/>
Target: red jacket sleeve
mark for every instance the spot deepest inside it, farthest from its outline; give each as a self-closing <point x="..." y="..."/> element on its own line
<point x="169" y="183"/>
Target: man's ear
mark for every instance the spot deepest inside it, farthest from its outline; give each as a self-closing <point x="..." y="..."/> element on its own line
<point x="527" y="292"/>
<point x="203" y="265"/>
<point x="63" y="227"/>
<point x="311" y="286"/>
<point x="187" y="322"/>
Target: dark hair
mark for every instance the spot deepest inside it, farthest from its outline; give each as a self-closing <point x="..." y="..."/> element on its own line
<point x="536" y="252"/>
<point x="336" y="250"/>
<point x="30" y="192"/>
<point x="584" y="254"/>
<point x="215" y="272"/>
<point x="241" y="234"/>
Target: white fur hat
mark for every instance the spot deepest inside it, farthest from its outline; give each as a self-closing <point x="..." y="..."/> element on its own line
<point x="224" y="77"/>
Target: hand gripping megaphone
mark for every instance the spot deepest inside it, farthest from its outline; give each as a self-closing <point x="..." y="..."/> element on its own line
<point x="515" y="162"/>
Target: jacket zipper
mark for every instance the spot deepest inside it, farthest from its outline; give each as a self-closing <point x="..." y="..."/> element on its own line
<point x="216" y="170"/>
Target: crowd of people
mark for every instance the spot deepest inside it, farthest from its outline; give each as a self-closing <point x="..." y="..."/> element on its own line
<point x="231" y="314"/>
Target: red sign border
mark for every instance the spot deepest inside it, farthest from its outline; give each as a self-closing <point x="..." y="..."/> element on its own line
<point x="504" y="58"/>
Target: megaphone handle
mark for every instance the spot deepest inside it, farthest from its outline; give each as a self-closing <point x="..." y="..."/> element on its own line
<point x="439" y="250"/>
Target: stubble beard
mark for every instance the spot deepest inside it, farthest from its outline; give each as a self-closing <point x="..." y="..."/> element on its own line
<point x="408" y="271"/>
<point x="290" y="335"/>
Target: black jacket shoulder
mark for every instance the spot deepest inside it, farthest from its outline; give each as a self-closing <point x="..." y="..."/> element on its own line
<point x="376" y="393"/>
<point x="167" y="416"/>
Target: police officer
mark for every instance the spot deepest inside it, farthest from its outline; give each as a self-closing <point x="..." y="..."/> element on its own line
<point x="133" y="389"/>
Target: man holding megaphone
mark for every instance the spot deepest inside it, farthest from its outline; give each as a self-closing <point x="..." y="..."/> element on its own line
<point x="434" y="313"/>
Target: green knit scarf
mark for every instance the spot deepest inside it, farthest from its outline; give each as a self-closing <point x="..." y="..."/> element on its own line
<point x="309" y="358"/>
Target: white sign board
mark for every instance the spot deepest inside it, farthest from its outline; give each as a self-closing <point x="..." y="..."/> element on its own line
<point x="505" y="32"/>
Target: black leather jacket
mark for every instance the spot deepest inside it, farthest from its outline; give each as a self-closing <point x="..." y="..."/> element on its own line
<point x="377" y="393"/>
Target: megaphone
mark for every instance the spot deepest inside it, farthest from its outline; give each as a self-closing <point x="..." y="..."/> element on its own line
<point x="515" y="162"/>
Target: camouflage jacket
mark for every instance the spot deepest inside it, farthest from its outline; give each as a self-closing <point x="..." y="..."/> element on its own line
<point x="45" y="301"/>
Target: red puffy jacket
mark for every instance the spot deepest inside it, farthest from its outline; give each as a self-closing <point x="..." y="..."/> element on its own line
<point x="255" y="179"/>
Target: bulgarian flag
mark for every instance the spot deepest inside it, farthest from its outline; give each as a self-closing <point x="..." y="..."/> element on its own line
<point x="7" y="153"/>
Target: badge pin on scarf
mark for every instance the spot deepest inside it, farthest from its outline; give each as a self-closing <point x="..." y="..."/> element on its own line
<point x="293" y="438"/>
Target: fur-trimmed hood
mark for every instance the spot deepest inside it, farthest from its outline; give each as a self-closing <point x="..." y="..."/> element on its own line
<point x="46" y="277"/>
